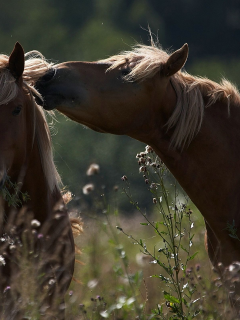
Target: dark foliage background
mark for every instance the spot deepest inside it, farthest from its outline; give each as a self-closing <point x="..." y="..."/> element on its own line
<point x="89" y="30"/>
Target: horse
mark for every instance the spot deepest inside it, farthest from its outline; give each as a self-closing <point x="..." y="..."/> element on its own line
<point x="36" y="244"/>
<point x="192" y="123"/>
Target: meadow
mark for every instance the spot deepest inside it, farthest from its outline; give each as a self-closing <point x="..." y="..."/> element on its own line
<point x="150" y="263"/>
<point x="146" y="263"/>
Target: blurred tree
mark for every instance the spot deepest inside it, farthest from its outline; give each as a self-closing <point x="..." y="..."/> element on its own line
<point x="90" y="30"/>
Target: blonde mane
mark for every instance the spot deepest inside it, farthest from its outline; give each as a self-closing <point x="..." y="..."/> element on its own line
<point x="146" y="61"/>
<point x="35" y="67"/>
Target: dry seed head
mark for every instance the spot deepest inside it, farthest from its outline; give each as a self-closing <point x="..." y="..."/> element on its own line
<point x="148" y="149"/>
<point x="2" y="261"/>
<point x="35" y="223"/>
<point x="67" y="197"/>
<point x="142" y="169"/>
<point x="197" y="267"/>
<point x="93" y="169"/>
<point x="88" y="188"/>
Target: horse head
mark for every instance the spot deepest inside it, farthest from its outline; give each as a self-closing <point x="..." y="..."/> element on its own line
<point x="13" y="105"/>
<point x="98" y="95"/>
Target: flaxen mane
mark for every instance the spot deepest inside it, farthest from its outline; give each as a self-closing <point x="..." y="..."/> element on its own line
<point x="146" y="61"/>
<point x="35" y="67"/>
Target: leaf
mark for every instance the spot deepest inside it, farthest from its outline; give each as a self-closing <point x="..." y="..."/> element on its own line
<point x="170" y="298"/>
<point x="183" y="248"/>
<point x="184" y="301"/>
<point x="191" y="237"/>
<point x="144" y="224"/>
<point x="233" y="236"/>
<point x="192" y="257"/>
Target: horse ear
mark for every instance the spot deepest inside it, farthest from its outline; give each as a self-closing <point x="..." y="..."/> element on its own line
<point x="16" y="61"/>
<point x="176" y="61"/>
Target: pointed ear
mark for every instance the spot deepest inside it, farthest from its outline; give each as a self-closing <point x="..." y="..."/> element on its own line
<point x="175" y="61"/>
<point x="16" y="61"/>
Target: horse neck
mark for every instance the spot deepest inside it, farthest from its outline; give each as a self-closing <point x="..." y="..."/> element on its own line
<point x="207" y="170"/>
<point x="43" y="201"/>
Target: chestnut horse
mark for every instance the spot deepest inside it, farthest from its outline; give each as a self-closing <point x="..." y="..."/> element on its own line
<point x="192" y="123"/>
<point x="32" y="207"/>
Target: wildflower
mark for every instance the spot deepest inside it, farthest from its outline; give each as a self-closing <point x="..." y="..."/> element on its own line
<point x="70" y="293"/>
<point x="88" y="188"/>
<point x="51" y="282"/>
<point x="149" y="160"/>
<point x="35" y="223"/>
<point x="58" y="216"/>
<point x="40" y="236"/>
<point x="92" y="283"/>
<point x="148" y="149"/>
<point x="197" y="267"/>
<point x="2" y="261"/>
<point x="124" y="178"/>
<point x="146" y="181"/>
<point x="153" y="186"/>
<point x="154" y="200"/>
<point x="142" y="154"/>
<point x="142" y="169"/>
<point x="188" y="271"/>
<point x="67" y="197"/>
<point x="6" y="289"/>
<point x="93" y="169"/>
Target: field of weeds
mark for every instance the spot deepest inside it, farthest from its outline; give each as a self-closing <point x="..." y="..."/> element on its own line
<point x="147" y="265"/>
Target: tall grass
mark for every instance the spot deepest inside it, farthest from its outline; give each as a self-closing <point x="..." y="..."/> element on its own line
<point x="138" y="265"/>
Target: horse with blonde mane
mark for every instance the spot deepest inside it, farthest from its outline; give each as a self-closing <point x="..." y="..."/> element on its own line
<point x="192" y="123"/>
<point x="34" y="222"/>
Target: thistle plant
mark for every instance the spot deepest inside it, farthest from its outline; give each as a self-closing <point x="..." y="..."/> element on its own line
<point x="173" y="228"/>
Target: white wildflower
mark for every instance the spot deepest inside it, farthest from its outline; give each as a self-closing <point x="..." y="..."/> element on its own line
<point x="35" y="223"/>
<point x="2" y="261"/>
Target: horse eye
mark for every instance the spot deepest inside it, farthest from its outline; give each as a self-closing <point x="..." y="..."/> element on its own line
<point x="17" y="110"/>
<point x="49" y="75"/>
